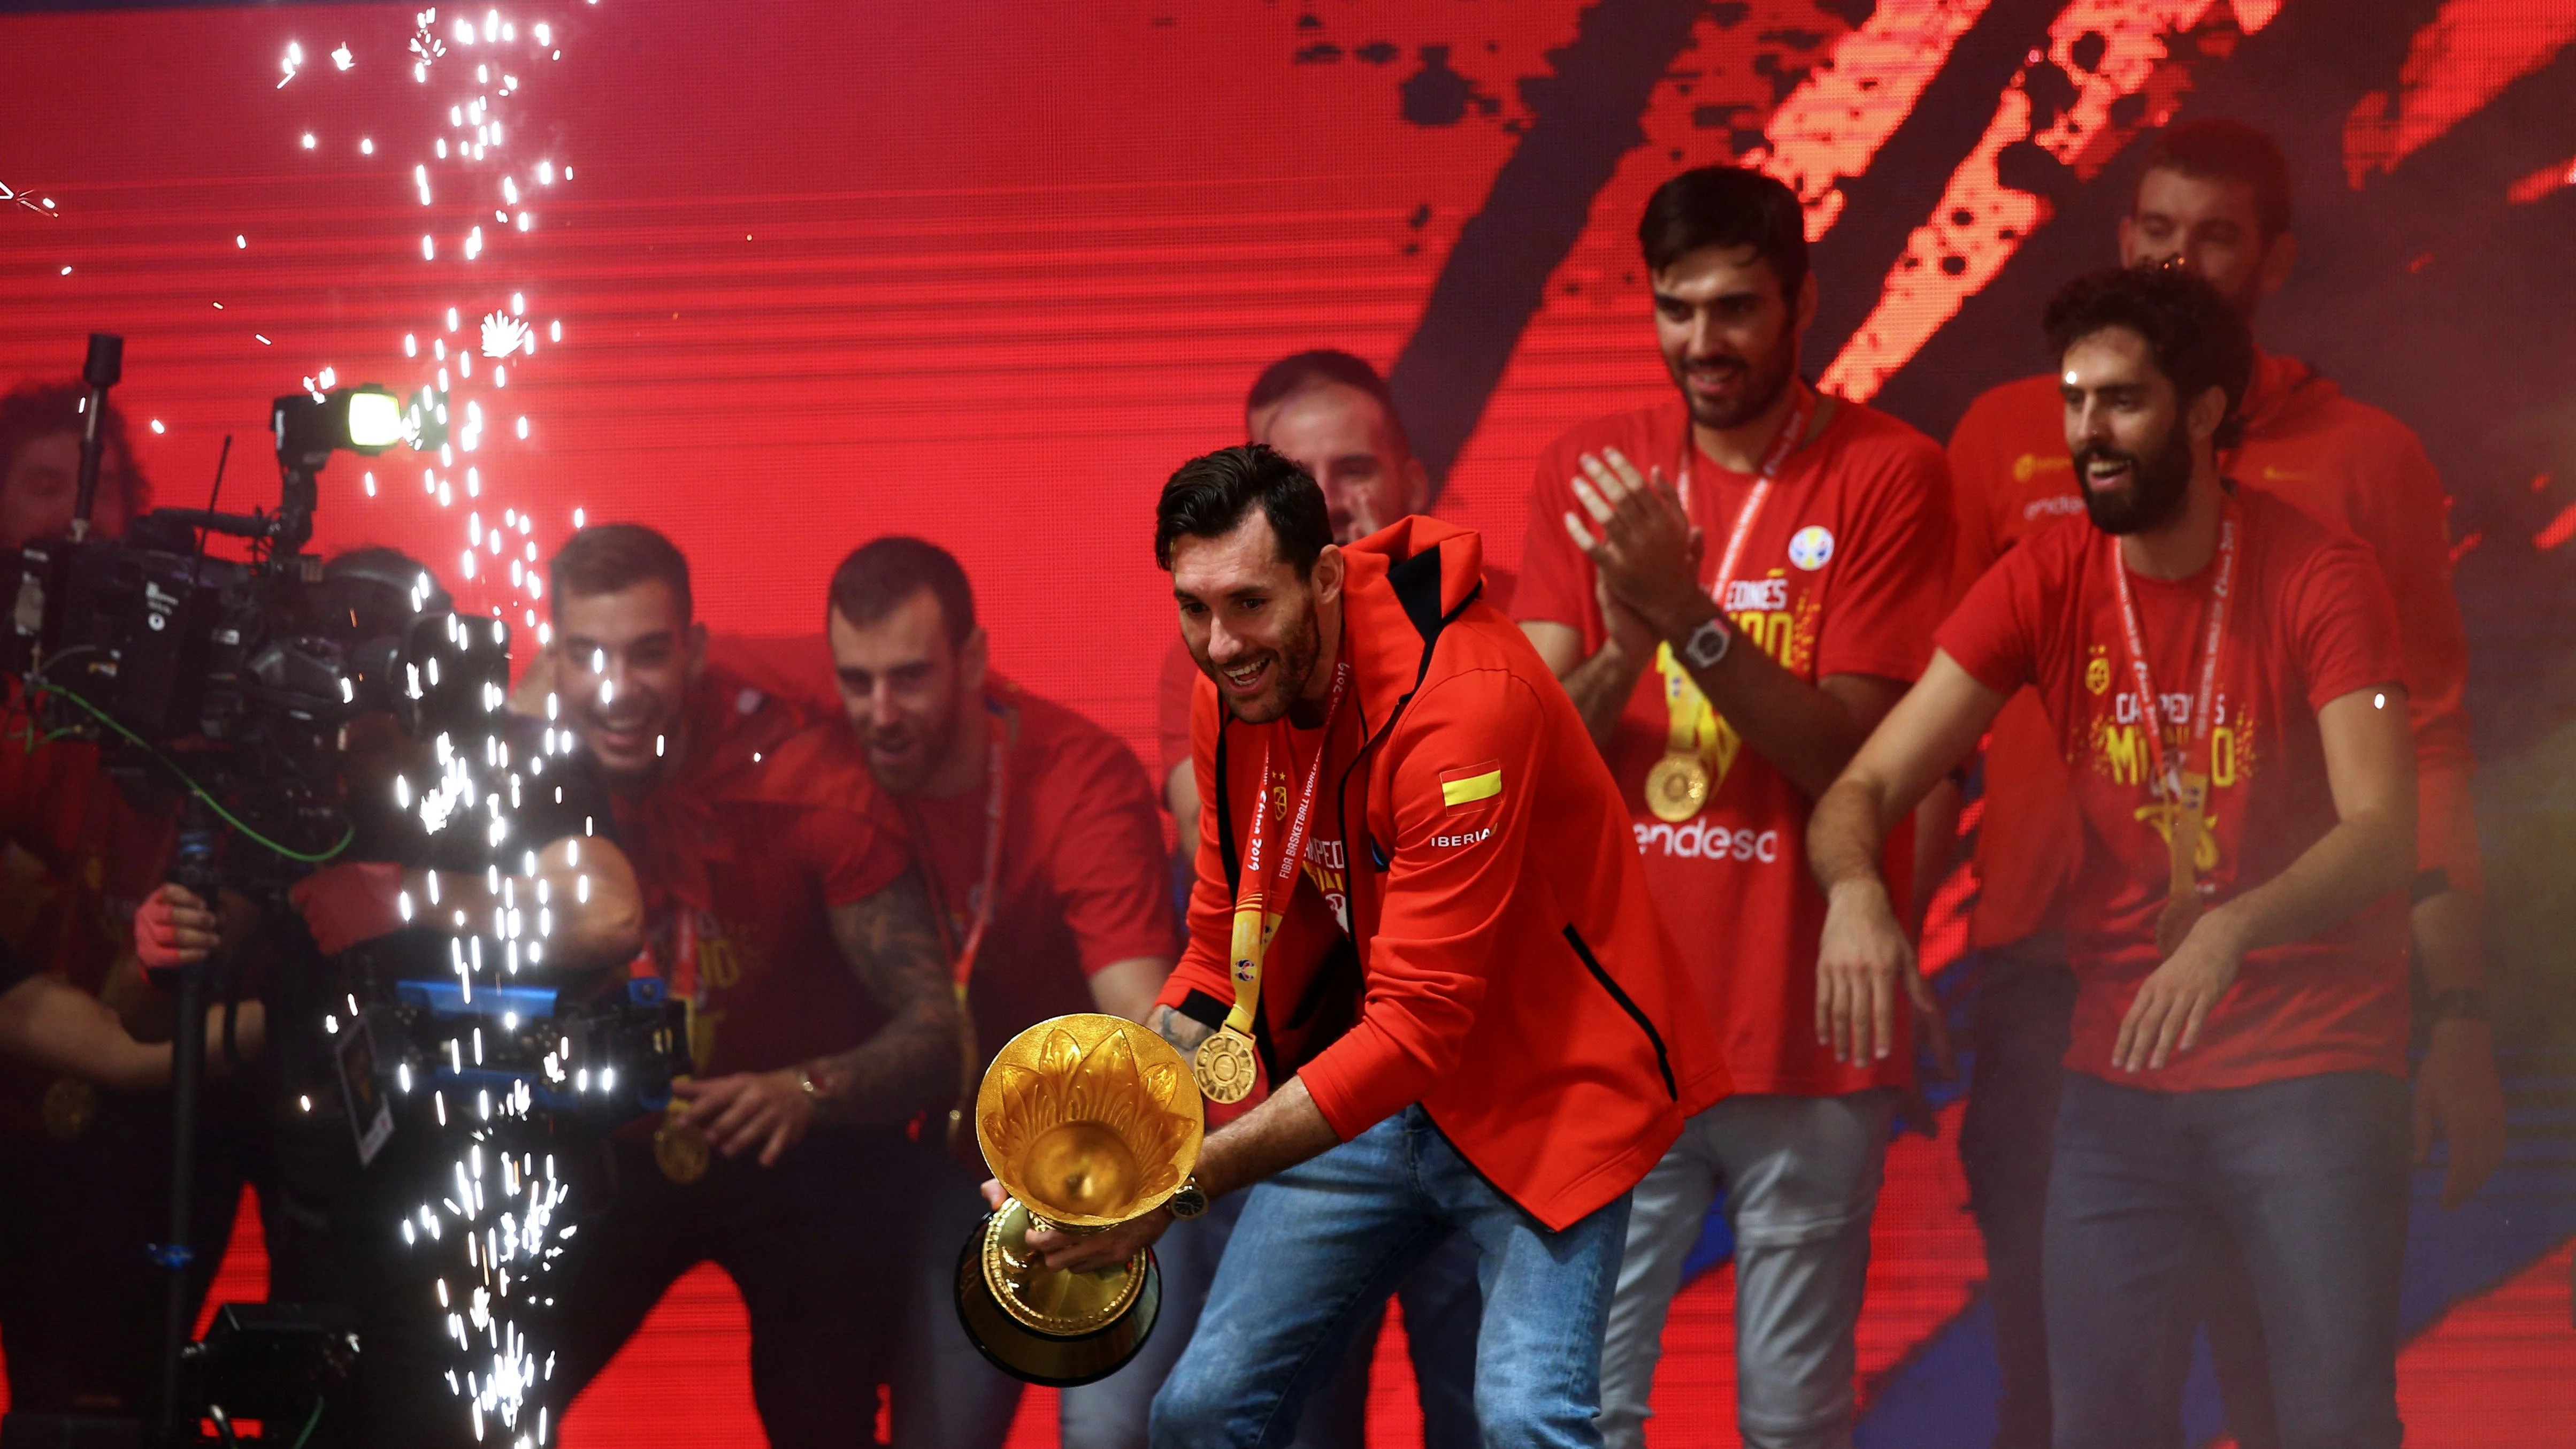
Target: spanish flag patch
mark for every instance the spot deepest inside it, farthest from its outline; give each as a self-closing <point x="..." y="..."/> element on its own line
<point x="1472" y="784"/>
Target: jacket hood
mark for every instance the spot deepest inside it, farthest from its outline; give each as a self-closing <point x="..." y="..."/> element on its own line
<point x="1405" y="583"/>
<point x="2282" y="388"/>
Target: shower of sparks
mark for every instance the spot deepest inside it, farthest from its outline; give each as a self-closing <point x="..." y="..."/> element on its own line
<point x="497" y="1221"/>
<point x="504" y="334"/>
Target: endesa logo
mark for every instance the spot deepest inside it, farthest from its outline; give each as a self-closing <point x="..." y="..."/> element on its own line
<point x="1698" y="840"/>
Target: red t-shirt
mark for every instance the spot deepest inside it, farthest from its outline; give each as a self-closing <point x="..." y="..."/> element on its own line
<point x="1843" y="572"/>
<point x="2311" y="622"/>
<point x="771" y="822"/>
<point x="1181" y="675"/>
<point x="2345" y="464"/>
<point x="1082" y="871"/>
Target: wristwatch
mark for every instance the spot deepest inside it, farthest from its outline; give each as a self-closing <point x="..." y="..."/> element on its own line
<point x="805" y="1083"/>
<point x="1708" y="643"/>
<point x="1189" y="1201"/>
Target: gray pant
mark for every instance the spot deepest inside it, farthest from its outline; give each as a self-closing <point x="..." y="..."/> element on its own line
<point x="1801" y="1176"/>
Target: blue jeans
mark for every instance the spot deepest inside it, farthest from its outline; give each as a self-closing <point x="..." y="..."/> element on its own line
<point x="2307" y="1175"/>
<point x="2024" y="1008"/>
<point x="1321" y="1245"/>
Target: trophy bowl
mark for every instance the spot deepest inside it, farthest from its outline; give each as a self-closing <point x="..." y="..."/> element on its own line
<point x="1088" y="1121"/>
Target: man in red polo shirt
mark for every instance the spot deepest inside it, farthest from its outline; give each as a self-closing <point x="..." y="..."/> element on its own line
<point x="2214" y="194"/>
<point x="2222" y="676"/>
<point x="1734" y="586"/>
<point x="779" y="903"/>
<point x="1037" y="834"/>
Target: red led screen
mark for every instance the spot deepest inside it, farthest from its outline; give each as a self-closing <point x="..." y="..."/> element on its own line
<point x="824" y="271"/>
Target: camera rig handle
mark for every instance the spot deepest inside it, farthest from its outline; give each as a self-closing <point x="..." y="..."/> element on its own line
<point x="103" y="369"/>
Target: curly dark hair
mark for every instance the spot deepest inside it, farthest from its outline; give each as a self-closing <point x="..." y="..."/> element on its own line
<point x="2198" y="341"/>
<point x="1210" y="495"/>
<point x="35" y="410"/>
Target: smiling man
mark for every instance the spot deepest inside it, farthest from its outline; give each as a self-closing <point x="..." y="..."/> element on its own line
<point x="1734" y="586"/>
<point x="1037" y="835"/>
<point x="1488" y="1033"/>
<point x="2220" y="674"/>
<point x="2213" y="196"/>
<point x="780" y="903"/>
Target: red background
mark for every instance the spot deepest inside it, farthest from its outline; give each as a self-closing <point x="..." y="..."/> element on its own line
<point x="986" y="273"/>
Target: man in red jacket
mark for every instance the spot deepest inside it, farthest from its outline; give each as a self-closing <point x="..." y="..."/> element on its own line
<point x="1419" y="918"/>
<point x="2215" y="195"/>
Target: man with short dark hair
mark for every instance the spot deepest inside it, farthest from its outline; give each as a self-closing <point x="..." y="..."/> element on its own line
<point x="2222" y="675"/>
<point x="1330" y="413"/>
<point x="1488" y="1033"/>
<point x="1036" y="833"/>
<point x="2213" y="195"/>
<point x="1734" y="587"/>
<point x="780" y="904"/>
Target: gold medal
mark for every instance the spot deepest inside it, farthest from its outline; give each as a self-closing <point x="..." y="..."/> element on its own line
<point x="1677" y="787"/>
<point x="1224" y="1066"/>
<point x="70" y="1106"/>
<point x="680" y="1149"/>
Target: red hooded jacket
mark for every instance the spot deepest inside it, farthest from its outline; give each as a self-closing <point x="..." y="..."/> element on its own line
<point x="1513" y="975"/>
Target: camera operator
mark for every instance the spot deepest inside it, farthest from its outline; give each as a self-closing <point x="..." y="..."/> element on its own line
<point x="335" y="1209"/>
<point x="84" y="1172"/>
<point x="782" y="906"/>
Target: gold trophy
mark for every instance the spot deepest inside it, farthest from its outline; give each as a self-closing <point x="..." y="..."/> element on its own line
<point x="1088" y="1121"/>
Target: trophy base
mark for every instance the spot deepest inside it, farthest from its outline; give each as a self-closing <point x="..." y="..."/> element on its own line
<point x="1055" y="1360"/>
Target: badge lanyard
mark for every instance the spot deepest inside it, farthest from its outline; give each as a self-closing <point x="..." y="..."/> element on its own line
<point x="1265" y="884"/>
<point x="1682" y="697"/>
<point x="2186" y="791"/>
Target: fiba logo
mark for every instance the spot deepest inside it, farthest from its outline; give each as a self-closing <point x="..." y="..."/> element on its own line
<point x="1811" y="547"/>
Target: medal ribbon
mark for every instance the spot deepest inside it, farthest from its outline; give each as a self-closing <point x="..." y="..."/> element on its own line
<point x="1681" y="696"/>
<point x="2185" y="792"/>
<point x="961" y="970"/>
<point x="1265" y="883"/>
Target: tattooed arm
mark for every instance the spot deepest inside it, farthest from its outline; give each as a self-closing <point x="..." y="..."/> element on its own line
<point x="891" y="941"/>
<point x="911" y="1065"/>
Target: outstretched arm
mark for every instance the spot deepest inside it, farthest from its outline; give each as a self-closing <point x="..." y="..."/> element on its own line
<point x="1865" y="957"/>
<point x="2370" y="768"/>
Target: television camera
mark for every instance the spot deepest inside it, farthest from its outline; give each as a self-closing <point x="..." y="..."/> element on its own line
<point x="224" y="686"/>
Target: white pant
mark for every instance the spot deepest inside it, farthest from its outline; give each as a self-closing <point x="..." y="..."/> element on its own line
<point x="1801" y="1176"/>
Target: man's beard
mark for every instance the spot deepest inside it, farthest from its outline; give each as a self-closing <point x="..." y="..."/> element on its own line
<point x="1764" y="382"/>
<point x="1292" y="671"/>
<point x="919" y="752"/>
<point x="2153" y="497"/>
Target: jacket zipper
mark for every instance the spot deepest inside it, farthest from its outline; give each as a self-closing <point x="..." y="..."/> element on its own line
<point x="1663" y="1058"/>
